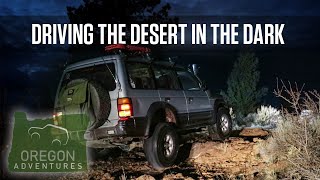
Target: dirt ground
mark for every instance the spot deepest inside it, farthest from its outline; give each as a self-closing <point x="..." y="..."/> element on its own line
<point x="239" y="157"/>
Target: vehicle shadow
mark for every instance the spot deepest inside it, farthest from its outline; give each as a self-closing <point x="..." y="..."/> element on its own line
<point x="183" y="153"/>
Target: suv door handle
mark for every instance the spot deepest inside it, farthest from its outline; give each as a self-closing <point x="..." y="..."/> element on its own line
<point x="190" y="99"/>
<point x="167" y="99"/>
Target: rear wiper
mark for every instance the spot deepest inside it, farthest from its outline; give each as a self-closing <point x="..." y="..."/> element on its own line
<point x="113" y="76"/>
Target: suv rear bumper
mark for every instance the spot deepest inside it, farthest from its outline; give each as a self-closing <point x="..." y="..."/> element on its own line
<point x="133" y="127"/>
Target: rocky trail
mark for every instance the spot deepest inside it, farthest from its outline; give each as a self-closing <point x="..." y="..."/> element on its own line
<point x="239" y="157"/>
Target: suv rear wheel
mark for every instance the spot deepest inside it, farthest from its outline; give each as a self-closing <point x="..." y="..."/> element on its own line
<point x="161" y="149"/>
<point x="223" y="127"/>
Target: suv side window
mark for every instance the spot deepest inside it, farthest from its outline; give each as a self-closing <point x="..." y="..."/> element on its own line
<point x="166" y="78"/>
<point x="188" y="81"/>
<point x="140" y="75"/>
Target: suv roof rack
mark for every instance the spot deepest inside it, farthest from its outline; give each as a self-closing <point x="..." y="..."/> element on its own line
<point x="132" y="50"/>
<point x="129" y="50"/>
<point x="117" y="47"/>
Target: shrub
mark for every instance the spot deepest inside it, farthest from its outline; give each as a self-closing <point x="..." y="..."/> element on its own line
<point x="266" y="116"/>
<point x="296" y="140"/>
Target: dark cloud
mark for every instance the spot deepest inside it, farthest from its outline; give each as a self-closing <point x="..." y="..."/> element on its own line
<point x="245" y="7"/>
<point x="36" y="7"/>
<point x="24" y="65"/>
<point x="179" y="7"/>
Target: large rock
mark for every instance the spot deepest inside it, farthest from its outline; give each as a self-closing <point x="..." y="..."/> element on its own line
<point x="236" y="156"/>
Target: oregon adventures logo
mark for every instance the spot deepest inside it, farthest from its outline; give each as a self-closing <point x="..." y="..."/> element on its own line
<point x="48" y="145"/>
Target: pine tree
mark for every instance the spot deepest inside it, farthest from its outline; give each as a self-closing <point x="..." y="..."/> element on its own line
<point x="243" y="94"/>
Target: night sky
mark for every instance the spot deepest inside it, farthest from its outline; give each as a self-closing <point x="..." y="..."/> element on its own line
<point x="27" y="70"/>
<point x="179" y="7"/>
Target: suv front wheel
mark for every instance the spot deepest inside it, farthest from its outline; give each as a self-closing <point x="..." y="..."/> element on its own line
<point x="161" y="149"/>
<point x="223" y="126"/>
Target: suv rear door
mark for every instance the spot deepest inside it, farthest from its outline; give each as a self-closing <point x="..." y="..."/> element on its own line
<point x="198" y="103"/>
<point x="142" y="87"/>
<point x="170" y="91"/>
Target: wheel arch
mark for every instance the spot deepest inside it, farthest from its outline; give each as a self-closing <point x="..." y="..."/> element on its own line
<point x="157" y="113"/>
<point x="217" y="104"/>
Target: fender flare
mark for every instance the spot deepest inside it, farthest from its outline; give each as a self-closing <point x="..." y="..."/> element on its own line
<point x="153" y="111"/>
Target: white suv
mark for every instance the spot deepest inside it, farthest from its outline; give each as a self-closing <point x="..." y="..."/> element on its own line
<point x="130" y="97"/>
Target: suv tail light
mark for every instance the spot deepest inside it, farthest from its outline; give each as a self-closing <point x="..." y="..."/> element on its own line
<point x="56" y="118"/>
<point x="125" y="109"/>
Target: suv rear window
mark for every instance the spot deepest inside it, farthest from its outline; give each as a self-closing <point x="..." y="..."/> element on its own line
<point x="140" y="75"/>
<point x="98" y="73"/>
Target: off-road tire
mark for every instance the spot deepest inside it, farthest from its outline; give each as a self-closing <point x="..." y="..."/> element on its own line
<point x="223" y="126"/>
<point x="161" y="149"/>
<point x="100" y="106"/>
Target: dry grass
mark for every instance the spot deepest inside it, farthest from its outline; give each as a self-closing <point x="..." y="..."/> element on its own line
<point x="297" y="139"/>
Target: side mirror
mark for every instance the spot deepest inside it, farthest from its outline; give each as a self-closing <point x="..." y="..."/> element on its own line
<point x="195" y="69"/>
<point x="204" y="86"/>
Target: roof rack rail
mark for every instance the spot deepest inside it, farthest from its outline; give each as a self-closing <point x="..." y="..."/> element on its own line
<point x="129" y="50"/>
<point x="115" y="47"/>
